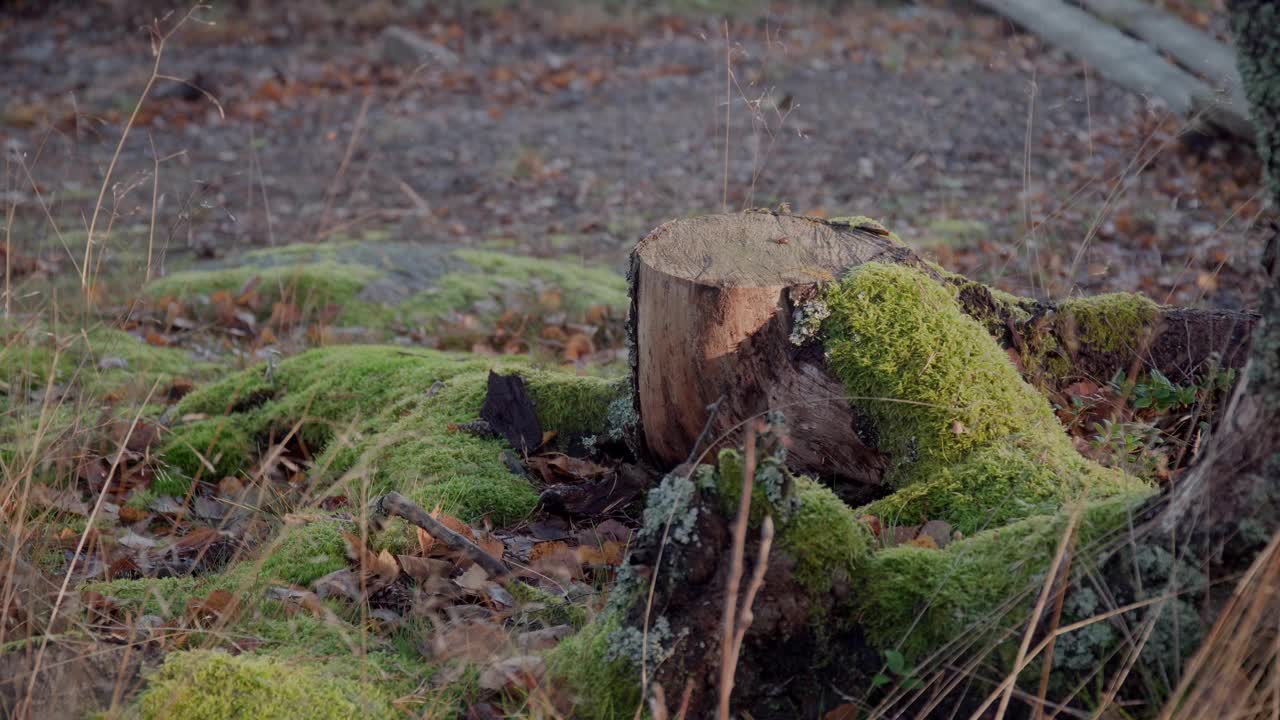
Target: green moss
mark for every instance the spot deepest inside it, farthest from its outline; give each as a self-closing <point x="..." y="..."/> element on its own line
<point x="814" y="527"/>
<point x="166" y="597"/>
<point x="302" y="553"/>
<point x="213" y="685"/>
<point x="824" y="536"/>
<point x="1110" y="322"/>
<point x="498" y="276"/>
<point x="222" y="442"/>
<point x="99" y="362"/>
<point x="603" y="688"/>
<point x="379" y="418"/>
<point x="311" y="287"/>
<point x="954" y="232"/>
<point x="32" y="365"/>
<point x="919" y="599"/>
<point x="145" y="366"/>
<point x="970" y="441"/>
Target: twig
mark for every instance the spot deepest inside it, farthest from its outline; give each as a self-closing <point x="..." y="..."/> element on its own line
<point x="745" y="616"/>
<point x="393" y="503"/>
<point x="158" y="41"/>
<point x="729" y="626"/>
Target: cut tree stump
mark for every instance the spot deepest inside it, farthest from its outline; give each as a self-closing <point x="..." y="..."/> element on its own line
<point x="713" y="323"/>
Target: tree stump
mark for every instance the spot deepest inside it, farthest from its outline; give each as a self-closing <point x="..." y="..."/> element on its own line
<point x="713" y="302"/>
<point x="714" y="320"/>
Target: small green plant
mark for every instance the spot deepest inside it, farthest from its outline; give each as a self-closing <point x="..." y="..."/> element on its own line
<point x="1135" y="447"/>
<point x="895" y="663"/>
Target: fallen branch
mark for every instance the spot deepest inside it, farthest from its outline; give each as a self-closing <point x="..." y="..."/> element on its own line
<point x="393" y="503"/>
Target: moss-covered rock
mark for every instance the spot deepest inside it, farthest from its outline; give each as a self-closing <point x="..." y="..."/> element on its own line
<point x="375" y="284"/>
<point x="496" y="276"/>
<point x="971" y="442"/>
<point x="212" y="685"/>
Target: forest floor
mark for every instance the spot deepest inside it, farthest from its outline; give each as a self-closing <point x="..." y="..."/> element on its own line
<point x="573" y="133"/>
<point x="316" y="191"/>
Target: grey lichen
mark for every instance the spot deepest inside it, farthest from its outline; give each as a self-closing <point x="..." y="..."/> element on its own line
<point x="806" y="321"/>
<point x="671" y="510"/>
<point x="620" y="417"/>
<point x="628" y="644"/>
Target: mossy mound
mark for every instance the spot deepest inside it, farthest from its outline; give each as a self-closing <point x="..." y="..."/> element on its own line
<point x="971" y="442"/>
<point x="311" y="287"/>
<point x="821" y="534"/>
<point x="100" y="362"/>
<point x="213" y="685"/>
<point x="380" y="418"/>
<point x="496" y="276"/>
<point x="376" y="285"/>
<point x="1111" y="322"/>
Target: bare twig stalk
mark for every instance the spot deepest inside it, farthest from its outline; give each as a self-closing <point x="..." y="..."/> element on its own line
<point x="729" y="626"/>
<point x="728" y="105"/>
<point x="745" y="616"/>
<point x="155" y="201"/>
<point x="157" y="49"/>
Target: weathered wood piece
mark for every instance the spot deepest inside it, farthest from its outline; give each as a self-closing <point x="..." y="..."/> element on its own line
<point x="1130" y="63"/>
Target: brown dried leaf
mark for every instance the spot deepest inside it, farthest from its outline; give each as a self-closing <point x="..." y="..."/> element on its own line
<point x="422" y="569"/>
<point x="521" y="672"/>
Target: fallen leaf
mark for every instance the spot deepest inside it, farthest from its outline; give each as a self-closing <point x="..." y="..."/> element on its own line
<point x="423" y="569"/>
<point x="377" y="570"/>
<point x="475" y="642"/>
<point x="521" y="672"/>
<point x="577" y="347"/>
<point x="560" y="468"/>
<point x="474" y="579"/>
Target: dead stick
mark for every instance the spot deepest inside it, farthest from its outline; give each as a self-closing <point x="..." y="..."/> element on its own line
<point x="393" y="503"/>
<point x="745" y="615"/>
<point x="727" y="661"/>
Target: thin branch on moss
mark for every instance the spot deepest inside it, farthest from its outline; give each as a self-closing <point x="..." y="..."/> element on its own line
<point x="393" y="503"/>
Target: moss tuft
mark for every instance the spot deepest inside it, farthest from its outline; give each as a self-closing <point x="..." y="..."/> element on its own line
<point x="211" y="685"/>
<point x="1110" y="322"/>
<point x="311" y="287"/>
<point x="603" y="688"/>
<point x="303" y="553"/>
<point x="221" y="442"/>
<point x="970" y="441"/>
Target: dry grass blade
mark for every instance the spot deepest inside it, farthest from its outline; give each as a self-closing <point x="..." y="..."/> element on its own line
<point x="1005" y="691"/>
<point x="1235" y="673"/>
